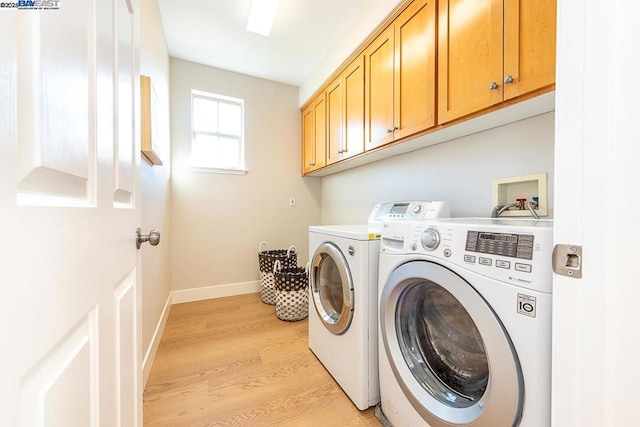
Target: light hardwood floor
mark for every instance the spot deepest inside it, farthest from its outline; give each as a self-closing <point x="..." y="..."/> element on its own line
<point x="232" y="362"/>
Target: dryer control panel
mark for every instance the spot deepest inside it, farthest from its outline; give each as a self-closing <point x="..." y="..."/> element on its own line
<point x="408" y="210"/>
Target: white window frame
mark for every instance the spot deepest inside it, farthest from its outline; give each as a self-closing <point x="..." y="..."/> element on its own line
<point x="240" y="167"/>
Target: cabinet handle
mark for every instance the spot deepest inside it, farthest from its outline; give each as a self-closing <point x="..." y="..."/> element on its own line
<point x="340" y="151"/>
<point x="389" y="130"/>
<point x="312" y="164"/>
<point x="395" y="128"/>
<point x="493" y="86"/>
<point x="508" y="79"/>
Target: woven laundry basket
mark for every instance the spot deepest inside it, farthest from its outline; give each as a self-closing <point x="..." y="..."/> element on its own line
<point x="292" y="296"/>
<point x="288" y="258"/>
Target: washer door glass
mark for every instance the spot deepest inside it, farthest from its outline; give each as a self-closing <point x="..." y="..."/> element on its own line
<point x="332" y="288"/>
<point x="433" y="327"/>
<point x="447" y="348"/>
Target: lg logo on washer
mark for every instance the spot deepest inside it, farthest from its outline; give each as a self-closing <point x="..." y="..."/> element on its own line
<point x="527" y="305"/>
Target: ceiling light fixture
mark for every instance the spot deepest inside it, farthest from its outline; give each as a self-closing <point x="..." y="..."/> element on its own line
<point x="261" y="16"/>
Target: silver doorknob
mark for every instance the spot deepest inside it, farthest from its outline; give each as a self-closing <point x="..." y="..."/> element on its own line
<point x="153" y="237"/>
<point x="493" y="86"/>
<point x="508" y="79"/>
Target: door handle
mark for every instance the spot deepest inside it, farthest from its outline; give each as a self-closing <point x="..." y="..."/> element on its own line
<point x="153" y="237"/>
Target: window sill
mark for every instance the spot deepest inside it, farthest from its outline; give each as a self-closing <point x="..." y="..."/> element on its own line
<point x="203" y="169"/>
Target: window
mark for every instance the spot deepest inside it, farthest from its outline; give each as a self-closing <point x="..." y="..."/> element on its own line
<point x="217" y="124"/>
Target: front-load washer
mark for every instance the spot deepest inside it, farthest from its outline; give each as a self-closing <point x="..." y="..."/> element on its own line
<point x="343" y="296"/>
<point x="465" y="322"/>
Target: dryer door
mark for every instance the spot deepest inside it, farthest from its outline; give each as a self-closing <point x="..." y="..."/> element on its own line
<point x="332" y="288"/>
<point x="448" y="350"/>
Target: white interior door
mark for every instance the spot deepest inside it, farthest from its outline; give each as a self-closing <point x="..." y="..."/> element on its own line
<point x="68" y="213"/>
<point x="596" y="345"/>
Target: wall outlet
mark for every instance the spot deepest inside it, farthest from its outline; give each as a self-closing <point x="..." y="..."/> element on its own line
<point x="292" y="202"/>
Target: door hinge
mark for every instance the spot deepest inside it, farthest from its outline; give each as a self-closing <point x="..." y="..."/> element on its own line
<point x="567" y="260"/>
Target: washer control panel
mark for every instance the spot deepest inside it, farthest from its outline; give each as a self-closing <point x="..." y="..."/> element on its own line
<point x="504" y="244"/>
<point x="513" y="251"/>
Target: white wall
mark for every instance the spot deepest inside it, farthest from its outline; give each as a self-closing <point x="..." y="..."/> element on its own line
<point x="219" y="220"/>
<point x="155" y="190"/>
<point x="459" y="172"/>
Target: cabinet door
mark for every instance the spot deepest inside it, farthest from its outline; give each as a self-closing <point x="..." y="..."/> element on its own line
<point x="469" y="56"/>
<point x="529" y="45"/>
<point x="308" y="143"/>
<point x="379" y="90"/>
<point x="353" y="83"/>
<point x="319" y="132"/>
<point x="335" y="121"/>
<point x="314" y="135"/>
<point x="415" y="69"/>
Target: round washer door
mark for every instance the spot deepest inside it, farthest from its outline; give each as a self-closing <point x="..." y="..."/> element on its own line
<point x="332" y="288"/>
<point x="448" y="350"/>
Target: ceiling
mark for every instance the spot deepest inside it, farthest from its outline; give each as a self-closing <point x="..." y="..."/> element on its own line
<point x="213" y="32"/>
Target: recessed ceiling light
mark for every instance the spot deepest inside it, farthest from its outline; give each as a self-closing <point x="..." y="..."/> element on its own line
<point x="261" y="16"/>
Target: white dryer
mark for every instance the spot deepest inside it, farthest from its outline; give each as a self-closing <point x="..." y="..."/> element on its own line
<point x="343" y="296"/>
<point x="465" y="323"/>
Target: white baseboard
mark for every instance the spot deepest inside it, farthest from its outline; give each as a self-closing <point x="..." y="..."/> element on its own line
<point x="219" y="291"/>
<point x="150" y="354"/>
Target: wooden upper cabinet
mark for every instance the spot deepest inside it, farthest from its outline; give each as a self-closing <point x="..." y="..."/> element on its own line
<point x="345" y="113"/>
<point x="469" y="56"/>
<point x="379" y="90"/>
<point x="335" y="120"/>
<point x="314" y="135"/>
<point x="320" y="132"/>
<point x="308" y="149"/>
<point x="415" y="69"/>
<point x="492" y="50"/>
<point x="529" y="46"/>
<point x="353" y="82"/>
<point x="400" y="82"/>
<point x="432" y="62"/>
